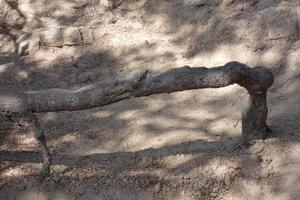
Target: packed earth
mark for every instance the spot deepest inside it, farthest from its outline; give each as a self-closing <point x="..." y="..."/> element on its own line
<point x="179" y="146"/>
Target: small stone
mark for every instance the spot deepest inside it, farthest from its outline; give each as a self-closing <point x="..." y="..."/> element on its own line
<point x="157" y="187"/>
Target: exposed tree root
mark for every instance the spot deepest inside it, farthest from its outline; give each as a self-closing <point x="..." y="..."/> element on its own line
<point x="142" y="83"/>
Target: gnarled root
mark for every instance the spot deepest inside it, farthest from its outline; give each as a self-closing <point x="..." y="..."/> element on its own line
<point x="40" y="137"/>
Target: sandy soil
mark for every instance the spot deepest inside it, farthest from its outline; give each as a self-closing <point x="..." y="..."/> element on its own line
<point x="170" y="146"/>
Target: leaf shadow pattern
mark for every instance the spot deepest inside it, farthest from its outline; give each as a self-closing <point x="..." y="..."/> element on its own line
<point x="109" y="141"/>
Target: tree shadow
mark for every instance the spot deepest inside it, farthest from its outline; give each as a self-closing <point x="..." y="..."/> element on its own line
<point x="98" y="138"/>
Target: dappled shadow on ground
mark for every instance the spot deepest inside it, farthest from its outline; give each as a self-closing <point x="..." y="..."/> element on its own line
<point x="175" y="133"/>
<point x="133" y="160"/>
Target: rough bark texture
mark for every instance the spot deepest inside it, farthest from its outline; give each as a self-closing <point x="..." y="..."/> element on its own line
<point x="141" y="83"/>
<point x="40" y="137"/>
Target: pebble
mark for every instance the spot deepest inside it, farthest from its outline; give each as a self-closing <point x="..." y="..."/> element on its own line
<point x="157" y="187"/>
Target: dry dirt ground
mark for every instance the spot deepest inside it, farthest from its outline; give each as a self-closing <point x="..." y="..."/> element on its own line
<point x="171" y="146"/>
